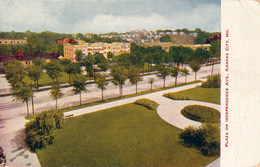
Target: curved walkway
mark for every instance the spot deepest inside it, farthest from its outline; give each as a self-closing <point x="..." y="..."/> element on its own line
<point x="169" y="110"/>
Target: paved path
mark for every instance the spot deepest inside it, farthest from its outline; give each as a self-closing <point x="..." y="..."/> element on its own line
<point x="153" y="96"/>
<point x="12" y="130"/>
<point x="12" y="140"/>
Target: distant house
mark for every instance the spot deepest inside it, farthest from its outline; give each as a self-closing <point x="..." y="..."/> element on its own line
<point x="193" y="34"/>
<point x="66" y="40"/>
<point x="181" y="33"/>
<point x="13" y="41"/>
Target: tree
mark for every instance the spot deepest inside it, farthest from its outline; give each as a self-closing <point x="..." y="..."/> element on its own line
<point x="176" y="54"/>
<point x="54" y="70"/>
<point x="200" y="55"/>
<point x="35" y="73"/>
<point x="40" y="62"/>
<point x="174" y="73"/>
<point x="165" y="38"/>
<point x="101" y="61"/>
<point x="195" y="66"/>
<point x="110" y="55"/>
<point x="79" y="85"/>
<point x="55" y="92"/>
<point x="64" y="61"/>
<point x="163" y="72"/>
<point x="149" y="59"/>
<point x="151" y="81"/>
<point x="119" y="75"/>
<point x="101" y="82"/>
<point x="22" y="92"/>
<point x="134" y="77"/>
<point x="157" y="53"/>
<point x="214" y="51"/>
<point x="14" y="71"/>
<point x="124" y="60"/>
<point x="140" y="52"/>
<point x="78" y="55"/>
<point x="72" y="68"/>
<point x="185" y="72"/>
<point x="89" y="64"/>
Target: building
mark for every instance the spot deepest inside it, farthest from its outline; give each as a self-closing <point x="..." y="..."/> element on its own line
<point x="94" y="48"/>
<point x="28" y="59"/>
<point x="166" y="45"/>
<point x="13" y="41"/>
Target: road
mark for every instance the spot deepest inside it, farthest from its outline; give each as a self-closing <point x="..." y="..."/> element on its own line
<point x="42" y="100"/>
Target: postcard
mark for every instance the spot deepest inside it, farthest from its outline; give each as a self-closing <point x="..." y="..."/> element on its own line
<point x="129" y="83"/>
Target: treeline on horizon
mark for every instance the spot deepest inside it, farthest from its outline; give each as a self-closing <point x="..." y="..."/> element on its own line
<point x="44" y="42"/>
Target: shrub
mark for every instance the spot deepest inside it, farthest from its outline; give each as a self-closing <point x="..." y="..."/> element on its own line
<point x="177" y="97"/>
<point x="205" y="137"/>
<point x="212" y="82"/>
<point x="39" y="131"/>
<point x="201" y="113"/>
<point x="152" y="105"/>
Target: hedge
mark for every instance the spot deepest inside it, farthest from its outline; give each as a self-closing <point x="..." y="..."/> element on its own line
<point x="205" y="137"/>
<point x="201" y="113"/>
<point x="152" y="105"/>
<point x="39" y="131"/>
<point x="174" y="96"/>
<point x="212" y="82"/>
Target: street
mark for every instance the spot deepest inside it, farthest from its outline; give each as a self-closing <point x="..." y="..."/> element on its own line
<point x="42" y="100"/>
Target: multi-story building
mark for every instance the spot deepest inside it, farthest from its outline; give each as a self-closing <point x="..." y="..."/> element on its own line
<point x="166" y="45"/>
<point x="94" y="48"/>
<point x="13" y="41"/>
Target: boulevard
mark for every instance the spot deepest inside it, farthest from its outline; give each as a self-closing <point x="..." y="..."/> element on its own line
<point x="42" y="101"/>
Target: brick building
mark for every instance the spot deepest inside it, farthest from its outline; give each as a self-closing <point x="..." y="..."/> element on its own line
<point x="13" y="41"/>
<point x="94" y="48"/>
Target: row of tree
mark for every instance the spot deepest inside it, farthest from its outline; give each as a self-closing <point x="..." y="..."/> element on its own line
<point x="126" y="66"/>
<point x="44" y="42"/>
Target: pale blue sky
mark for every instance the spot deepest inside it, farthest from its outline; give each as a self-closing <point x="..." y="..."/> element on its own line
<point x="101" y="16"/>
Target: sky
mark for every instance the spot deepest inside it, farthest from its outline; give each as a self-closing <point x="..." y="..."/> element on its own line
<point x="103" y="16"/>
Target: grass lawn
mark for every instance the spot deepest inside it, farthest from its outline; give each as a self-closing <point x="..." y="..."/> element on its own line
<point x="211" y="95"/>
<point x="127" y="135"/>
<point x="46" y="80"/>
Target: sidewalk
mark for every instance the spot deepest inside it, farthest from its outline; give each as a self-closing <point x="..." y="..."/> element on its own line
<point x="152" y="96"/>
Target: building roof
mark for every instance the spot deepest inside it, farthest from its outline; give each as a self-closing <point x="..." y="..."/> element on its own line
<point x="65" y="40"/>
<point x="29" y="57"/>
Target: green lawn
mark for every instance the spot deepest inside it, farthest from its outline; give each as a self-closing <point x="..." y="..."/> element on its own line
<point x="46" y="80"/>
<point x="211" y="95"/>
<point x="127" y="135"/>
